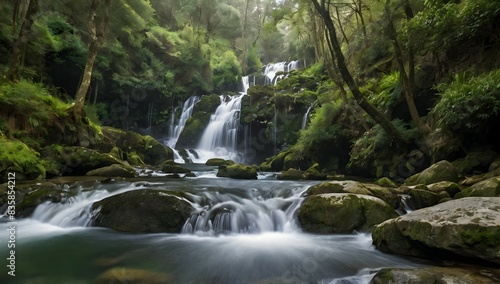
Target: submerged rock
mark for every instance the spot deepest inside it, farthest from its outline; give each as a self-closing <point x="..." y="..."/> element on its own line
<point x="469" y="227"/>
<point x="343" y="213"/>
<point x="442" y="275"/>
<point x="440" y="171"/>
<point x="142" y="211"/>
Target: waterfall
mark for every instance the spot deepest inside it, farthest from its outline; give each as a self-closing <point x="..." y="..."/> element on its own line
<point x="187" y="111"/>
<point x="270" y="70"/>
<point x="220" y="136"/>
<point x="306" y="115"/>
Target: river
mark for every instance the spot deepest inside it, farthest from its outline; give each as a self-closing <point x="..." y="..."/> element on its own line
<point x="244" y="232"/>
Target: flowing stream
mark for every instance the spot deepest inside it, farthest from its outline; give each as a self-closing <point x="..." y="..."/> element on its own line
<point x="240" y="232"/>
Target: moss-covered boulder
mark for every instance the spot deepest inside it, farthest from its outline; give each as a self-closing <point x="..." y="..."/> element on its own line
<point x="134" y="159"/>
<point x="291" y="174"/>
<point x="494" y="165"/>
<point x="421" y="198"/>
<point x="38" y="194"/>
<point x="444" y="275"/>
<point x="142" y="211"/>
<point x="175" y="169"/>
<point x="314" y="173"/>
<point x="440" y="171"/>
<point x="349" y="186"/>
<point x="237" y="171"/>
<point x="115" y="170"/>
<point x="343" y="213"/>
<point x="478" y="178"/>
<point x="218" y="162"/>
<point x="385" y="182"/>
<point x="485" y="188"/>
<point x="15" y="156"/>
<point x="476" y="160"/>
<point x="448" y="187"/>
<point x="468" y="226"/>
<point x="131" y="275"/>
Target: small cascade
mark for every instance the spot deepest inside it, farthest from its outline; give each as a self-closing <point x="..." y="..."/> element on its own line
<point x="231" y="214"/>
<point x="177" y="157"/>
<point x="306" y="115"/>
<point x="246" y="84"/>
<point x="271" y="69"/>
<point x="187" y="111"/>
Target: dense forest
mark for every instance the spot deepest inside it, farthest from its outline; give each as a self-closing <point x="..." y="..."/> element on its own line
<point x="393" y="85"/>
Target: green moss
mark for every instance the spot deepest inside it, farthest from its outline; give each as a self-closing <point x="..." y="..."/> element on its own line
<point x="17" y="156"/>
<point x="489" y="237"/>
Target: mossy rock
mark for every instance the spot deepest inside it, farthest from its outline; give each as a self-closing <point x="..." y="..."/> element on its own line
<point x="176" y="169"/>
<point x="486" y="188"/>
<point x="237" y="171"/>
<point x="450" y="188"/>
<point x="134" y="159"/>
<point x="41" y="193"/>
<point x="218" y="162"/>
<point x="343" y="213"/>
<point x="476" y="160"/>
<point x="424" y="275"/>
<point x="291" y="174"/>
<point x="478" y="178"/>
<point x="115" y="170"/>
<point x="80" y="160"/>
<point x="385" y="182"/>
<point x="142" y="211"/>
<point x="421" y="198"/>
<point x="349" y="186"/>
<point x="475" y="230"/>
<point x="155" y="152"/>
<point x="440" y="171"/>
<point x="117" y="153"/>
<point x="495" y="165"/>
<point x="314" y="173"/>
<point x="132" y="275"/>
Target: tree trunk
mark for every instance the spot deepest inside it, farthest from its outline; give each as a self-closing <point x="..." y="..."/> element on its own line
<point x="379" y="117"/>
<point x="19" y="47"/>
<point x="407" y="85"/>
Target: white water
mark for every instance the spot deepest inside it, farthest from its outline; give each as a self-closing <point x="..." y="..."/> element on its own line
<point x="187" y="111"/>
<point x="240" y="232"/>
<point x="271" y="69"/>
<point x="306" y="115"/>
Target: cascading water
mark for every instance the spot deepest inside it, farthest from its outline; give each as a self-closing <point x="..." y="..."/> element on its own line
<point x="306" y="115"/>
<point x="187" y="111"/>
<point x="271" y="69"/>
<point x="239" y="232"/>
<point x="220" y="137"/>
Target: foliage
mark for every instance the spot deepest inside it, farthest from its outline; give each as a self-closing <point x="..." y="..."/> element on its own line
<point x="322" y="128"/>
<point x="16" y="156"/>
<point x="30" y="105"/>
<point x="387" y="92"/>
<point x="467" y="104"/>
<point x="226" y="72"/>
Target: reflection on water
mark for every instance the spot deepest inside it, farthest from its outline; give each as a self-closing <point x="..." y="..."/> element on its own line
<point x="241" y="232"/>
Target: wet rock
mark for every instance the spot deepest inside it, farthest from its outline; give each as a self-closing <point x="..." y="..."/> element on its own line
<point x="440" y="171"/>
<point x="442" y="275"/>
<point x="38" y="194"/>
<point x="448" y="187"/>
<point x="478" y="178"/>
<point x="237" y="171"/>
<point x="343" y="213"/>
<point x="176" y="169"/>
<point x="422" y="198"/>
<point x="142" y="211"/>
<point x="115" y="170"/>
<point x="218" y="162"/>
<point x="468" y="227"/>
<point x="291" y="174"/>
<point x="314" y="173"/>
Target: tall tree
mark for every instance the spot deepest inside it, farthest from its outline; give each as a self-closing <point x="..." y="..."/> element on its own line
<point x="323" y="8"/>
<point x="94" y="44"/>
<point x="407" y="78"/>
<point x="19" y="47"/>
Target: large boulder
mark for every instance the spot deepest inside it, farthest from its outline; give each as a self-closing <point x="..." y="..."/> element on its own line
<point x="142" y="211"/>
<point x="476" y="160"/>
<point x="343" y="213"/>
<point x="423" y="198"/>
<point x="485" y="188"/>
<point x="440" y="171"/>
<point x="237" y="171"/>
<point x="349" y="186"/>
<point x="115" y="170"/>
<point x="291" y="174"/>
<point x="218" y="162"/>
<point x="478" y="178"/>
<point x="469" y="227"/>
<point x="442" y="275"/>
